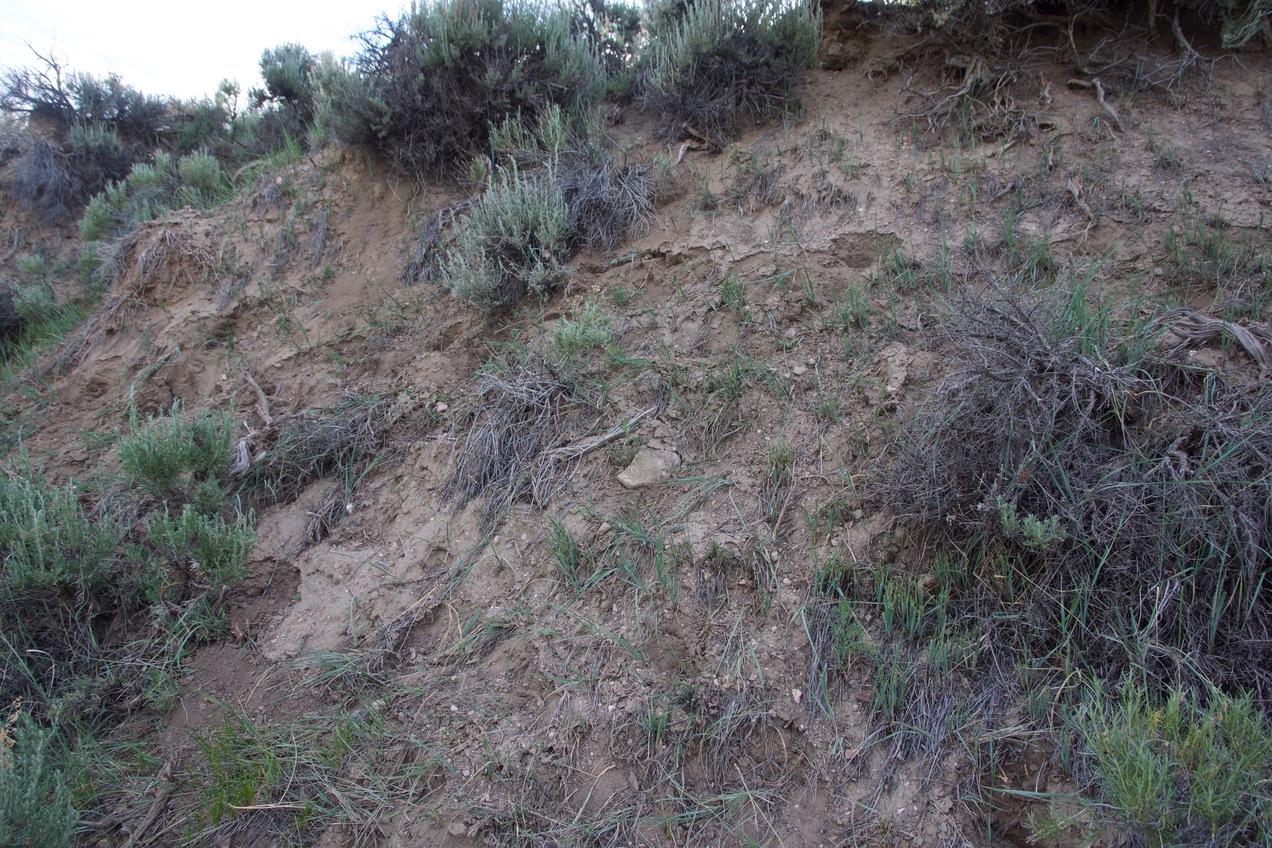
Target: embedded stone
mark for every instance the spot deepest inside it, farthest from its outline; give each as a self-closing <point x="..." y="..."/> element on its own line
<point x="651" y="467"/>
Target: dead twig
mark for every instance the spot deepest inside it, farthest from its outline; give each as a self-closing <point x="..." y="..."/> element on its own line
<point x="579" y="449"/>
<point x="1193" y="327"/>
<point x="1099" y="95"/>
<point x="153" y="368"/>
<point x="156" y="806"/>
<point x="262" y="402"/>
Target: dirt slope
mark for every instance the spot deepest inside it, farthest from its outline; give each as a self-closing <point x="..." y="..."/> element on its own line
<point x="666" y="700"/>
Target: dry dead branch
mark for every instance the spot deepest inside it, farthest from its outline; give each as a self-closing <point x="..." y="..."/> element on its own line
<point x="507" y="457"/>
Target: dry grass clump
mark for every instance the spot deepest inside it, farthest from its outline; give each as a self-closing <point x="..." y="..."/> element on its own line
<point x="1130" y="493"/>
<point x="526" y="401"/>
<point x="519" y="415"/>
<point x="606" y="203"/>
<point x="343" y="441"/>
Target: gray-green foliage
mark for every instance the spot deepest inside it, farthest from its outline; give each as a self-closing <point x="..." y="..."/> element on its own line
<point x="35" y="304"/>
<point x="552" y="191"/>
<point x="285" y="107"/>
<point x="152" y="189"/>
<point x="103" y="213"/>
<point x="429" y="85"/>
<point x="73" y="560"/>
<point x="589" y="331"/>
<point x="48" y="542"/>
<point x="726" y="60"/>
<point x="344" y="103"/>
<point x="215" y="549"/>
<point x="202" y="183"/>
<point x="606" y="202"/>
<point x="36" y="809"/>
<point x="514" y="242"/>
<point x="174" y="453"/>
<point x="1180" y="771"/>
<point x="1031" y="532"/>
<point x="287" y="71"/>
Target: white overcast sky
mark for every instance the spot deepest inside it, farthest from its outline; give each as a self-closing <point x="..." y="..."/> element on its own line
<point x="179" y="48"/>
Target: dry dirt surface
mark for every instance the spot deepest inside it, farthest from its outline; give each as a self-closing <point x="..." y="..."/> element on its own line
<point x="630" y="663"/>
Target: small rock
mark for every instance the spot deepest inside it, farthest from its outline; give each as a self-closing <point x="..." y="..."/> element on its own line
<point x="457" y="829"/>
<point x="441" y="407"/>
<point x="650" y="467"/>
<point x="799" y="370"/>
<point x="1157" y="272"/>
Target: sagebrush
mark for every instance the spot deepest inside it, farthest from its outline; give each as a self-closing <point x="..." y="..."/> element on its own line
<point x="723" y="62"/>
<point x="428" y="86"/>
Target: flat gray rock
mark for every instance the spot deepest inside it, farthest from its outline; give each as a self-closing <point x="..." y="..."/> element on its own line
<point x="650" y="467"/>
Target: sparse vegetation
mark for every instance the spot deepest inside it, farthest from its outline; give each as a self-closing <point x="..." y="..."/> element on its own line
<point x="343" y="442"/>
<point x="907" y="485"/>
<point x="527" y="394"/>
<point x="288" y="782"/>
